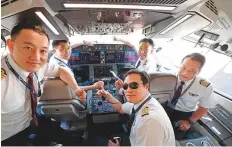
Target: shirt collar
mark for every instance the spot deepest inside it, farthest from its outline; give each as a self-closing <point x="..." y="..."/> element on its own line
<point x="144" y="61"/>
<point x="185" y="82"/>
<point x="138" y="104"/>
<point x="22" y="72"/>
<point x="65" y="61"/>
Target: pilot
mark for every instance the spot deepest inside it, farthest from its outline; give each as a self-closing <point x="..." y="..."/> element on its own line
<point x="150" y="123"/>
<point x="22" y="73"/>
<point x="146" y="61"/>
<point x="62" y="53"/>
<point x="193" y="95"/>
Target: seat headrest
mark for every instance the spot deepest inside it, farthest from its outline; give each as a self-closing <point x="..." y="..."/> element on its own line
<point x="162" y="82"/>
<point x="56" y="89"/>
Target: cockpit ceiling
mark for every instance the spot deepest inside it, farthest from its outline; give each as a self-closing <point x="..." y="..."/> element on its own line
<point x="58" y="5"/>
<point x="134" y="2"/>
<point x="105" y="22"/>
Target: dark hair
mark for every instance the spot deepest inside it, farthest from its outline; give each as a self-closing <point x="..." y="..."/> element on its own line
<point x="144" y="76"/>
<point x="197" y="57"/>
<point x="55" y="43"/>
<point x="29" y="26"/>
<point x="150" y="41"/>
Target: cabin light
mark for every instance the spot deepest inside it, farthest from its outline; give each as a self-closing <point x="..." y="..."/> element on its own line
<point x="112" y="6"/>
<point x="45" y="20"/>
<point x="176" y="23"/>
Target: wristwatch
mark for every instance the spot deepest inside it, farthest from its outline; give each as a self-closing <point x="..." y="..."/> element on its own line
<point x="191" y="122"/>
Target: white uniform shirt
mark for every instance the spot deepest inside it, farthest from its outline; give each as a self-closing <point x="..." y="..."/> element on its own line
<point x="201" y="92"/>
<point x="153" y="129"/>
<point x="15" y="99"/>
<point x="148" y="65"/>
<point x="54" y="61"/>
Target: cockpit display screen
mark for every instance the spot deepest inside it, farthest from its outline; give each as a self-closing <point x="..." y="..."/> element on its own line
<point x="85" y="57"/>
<point x="102" y="55"/>
<point x="102" y="71"/>
<point x="114" y="56"/>
<point x="130" y="56"/>
<point x="74" y="58"/>
<point x="91" y="57"/>
<point x="95" y="57"/>
<point x="110" y="56"/>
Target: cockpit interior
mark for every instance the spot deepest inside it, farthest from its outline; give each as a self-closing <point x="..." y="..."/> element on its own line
<point x="177" y="27"/>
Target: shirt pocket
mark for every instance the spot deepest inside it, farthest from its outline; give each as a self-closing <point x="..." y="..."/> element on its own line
<point x="13" y="101"/>
<point x="191" y="99"/>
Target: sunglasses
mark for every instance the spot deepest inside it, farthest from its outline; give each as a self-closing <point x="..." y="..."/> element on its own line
<point x="132" y="85"/>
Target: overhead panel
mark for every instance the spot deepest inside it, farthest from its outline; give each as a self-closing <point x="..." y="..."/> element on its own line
<point x="95" y="17"/>
<point x="103" y="22"/>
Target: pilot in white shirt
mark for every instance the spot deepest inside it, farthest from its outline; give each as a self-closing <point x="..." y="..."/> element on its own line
<point x="62" y="53"/>
<point x="28" y="48"/>
<point x="146" y="65"/>
<point x="61" y="62"/>
<point x="150" y="124"/>
<point x="149" y="119"/>
<point x="147" y="59"/>
<point x="199" y="93"/>
<point x="16" y="109"/>
<point x="193" y="95"/>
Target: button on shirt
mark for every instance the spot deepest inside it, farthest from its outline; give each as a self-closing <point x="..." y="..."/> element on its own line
<point x="154" y="129"/>
<point x="196" y="94"/>
<point x="54" y="61"/>
<point x="15" y="97"/>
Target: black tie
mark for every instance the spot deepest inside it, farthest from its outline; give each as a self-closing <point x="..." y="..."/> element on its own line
<point x="132" y="116"/>
<point x="137" y="65"/>
<point x="131" y="120"/>
<point x="177" y="93"/>
<point x="33" y="99"/>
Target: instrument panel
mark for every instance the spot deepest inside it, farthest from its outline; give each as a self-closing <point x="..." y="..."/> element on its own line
<point x="103" y="54"/>
<point x="93" y="63"/>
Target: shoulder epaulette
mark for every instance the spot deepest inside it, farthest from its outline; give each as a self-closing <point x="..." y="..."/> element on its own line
<point x="3" y="73"/>
<point x="145" y="111"/>
<point x="204" y="83"/>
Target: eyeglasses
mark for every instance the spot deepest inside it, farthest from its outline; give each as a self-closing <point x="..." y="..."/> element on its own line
<point x="132" y="85"/>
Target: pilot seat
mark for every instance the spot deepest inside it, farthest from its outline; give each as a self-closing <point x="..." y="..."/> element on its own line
<point x="162" y="86"/>
<point x="59" y="102"/>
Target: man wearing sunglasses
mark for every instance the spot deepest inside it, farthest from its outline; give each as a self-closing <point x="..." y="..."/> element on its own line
<point x="150" y="123"/>
<point x="193" y="95"/>
<point x="62" y="53"/>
